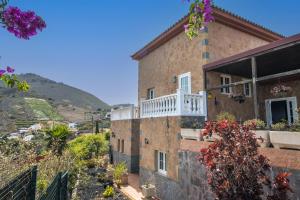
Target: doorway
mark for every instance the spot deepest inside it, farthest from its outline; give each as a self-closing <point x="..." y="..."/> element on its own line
<point x="281" y="110"/>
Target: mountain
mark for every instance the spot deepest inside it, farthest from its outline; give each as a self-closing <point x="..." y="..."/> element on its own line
<point x="46" y="100"/>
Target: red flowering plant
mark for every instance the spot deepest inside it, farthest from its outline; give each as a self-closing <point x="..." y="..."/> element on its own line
<point x="235" y="169"/>
<point x="200" y="15"/>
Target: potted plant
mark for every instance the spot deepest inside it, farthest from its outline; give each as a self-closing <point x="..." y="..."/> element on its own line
<point x="191" y="128"/>
<point x="148" y="190"/>
<point x="259" y="128"/>
<point x="283" y="136"/>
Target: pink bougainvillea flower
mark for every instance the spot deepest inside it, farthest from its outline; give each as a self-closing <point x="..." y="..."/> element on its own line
<point x="22" y="24"/>
<point x="2" y="72"/>
<point x="10" y="69"/>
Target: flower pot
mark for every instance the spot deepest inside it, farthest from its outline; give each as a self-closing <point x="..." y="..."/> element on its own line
<point x="285" y="139"/>
<point x="148" y="190"/>
<point x="124" y="179"/>
<point x="266" y="137"/>
<point x="191" y="134"/>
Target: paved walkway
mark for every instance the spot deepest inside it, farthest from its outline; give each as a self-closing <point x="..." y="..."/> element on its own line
<point x="132" y="190"/>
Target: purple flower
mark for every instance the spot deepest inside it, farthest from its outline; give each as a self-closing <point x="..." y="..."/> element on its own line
<point x="2" y="72"/>
<point x="10" y="70"/>
<point x="22" y="24"/>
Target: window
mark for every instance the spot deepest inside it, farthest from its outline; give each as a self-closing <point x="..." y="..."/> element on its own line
<point x="225" y="80"/>
<point x="247" y="90"/>
<point x="162" y="162"/>
<point x="150" y="93"/>
<point x="122" y="146"/>
<point x="185" y="82"/>
<point x="118" y="145"/>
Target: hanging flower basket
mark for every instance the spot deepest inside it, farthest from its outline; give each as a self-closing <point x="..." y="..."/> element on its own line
<point x="280" y="90"/>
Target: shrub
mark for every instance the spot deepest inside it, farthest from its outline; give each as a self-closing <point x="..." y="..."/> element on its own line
<point x="295" y="127"/>
<point x="255" y="124"/>
<point x="109" y="192"/>
<point x="280" y="126"/>
<point x="226" y="116"/>
<point x="84" y="146"/>
<point x="57" y="138"/>
<point x="235" y="169"/>
<point x="120" y="170"/>
<point x="107" y="135"/>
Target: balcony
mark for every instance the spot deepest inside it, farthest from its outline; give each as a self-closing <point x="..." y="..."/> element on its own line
<point x="178" y="104"/>
<point x="125" y="113"/>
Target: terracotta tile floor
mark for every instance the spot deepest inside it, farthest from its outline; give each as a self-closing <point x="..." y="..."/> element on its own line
<point x="132" y="190"/>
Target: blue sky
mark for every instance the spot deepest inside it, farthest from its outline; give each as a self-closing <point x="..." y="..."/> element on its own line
<point x="88" y="43"/>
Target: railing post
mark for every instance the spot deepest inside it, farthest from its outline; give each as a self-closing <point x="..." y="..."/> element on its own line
<point x="180" y="102"/>
<point x="204" y="103"/>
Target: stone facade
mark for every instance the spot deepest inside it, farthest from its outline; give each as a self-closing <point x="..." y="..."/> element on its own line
<point x="125" y="142"/>
<point x="163" y="134"/>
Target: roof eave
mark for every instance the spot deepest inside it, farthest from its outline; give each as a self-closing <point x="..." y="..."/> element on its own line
<point x="221" y="16"/>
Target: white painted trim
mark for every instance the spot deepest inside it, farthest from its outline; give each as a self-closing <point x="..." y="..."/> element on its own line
<point x="268" y="109"/>
<point x="250" y="88"/>
<point x="162" y="171"/>
<point x="188" y="74"/>
<point x="230" y="80"/>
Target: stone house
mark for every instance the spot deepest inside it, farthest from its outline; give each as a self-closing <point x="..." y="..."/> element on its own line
<point x="174" y="76"/>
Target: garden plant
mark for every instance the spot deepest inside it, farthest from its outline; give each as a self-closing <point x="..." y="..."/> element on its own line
<point x="235" y="169"/>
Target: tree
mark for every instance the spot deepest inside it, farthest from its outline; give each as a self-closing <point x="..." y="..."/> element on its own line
<point x="97" y="126"/>
<point x="23" y="25"/>
<point x="235" y="168"/>
<point x="57" y="138"/>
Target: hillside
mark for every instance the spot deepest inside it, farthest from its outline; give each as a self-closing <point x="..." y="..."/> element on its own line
<point x="46" y="100"/>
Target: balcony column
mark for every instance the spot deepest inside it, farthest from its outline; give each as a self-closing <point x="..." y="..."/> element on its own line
<point x="254" y="79"/>
<point x="180" y="102"/>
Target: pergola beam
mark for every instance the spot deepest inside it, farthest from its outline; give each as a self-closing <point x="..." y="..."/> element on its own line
<point x="264" y="78"/>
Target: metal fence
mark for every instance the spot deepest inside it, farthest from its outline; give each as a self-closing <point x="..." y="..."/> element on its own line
<point x="58" y="189"/>
<point x="23" y="187"/>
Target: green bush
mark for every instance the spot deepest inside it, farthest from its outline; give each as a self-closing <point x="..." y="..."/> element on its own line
<point x="120" y="170"/>
<point x="109" y="192"/>
<point x="107" y="135"/>
<point x="226" y="116"/>
<point x="84" y="146"/>
<point x="255" y="123"/>
<point x="280" y="126"/>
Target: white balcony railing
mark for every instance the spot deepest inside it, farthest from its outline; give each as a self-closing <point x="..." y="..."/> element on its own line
<point x="179" y="104"/>
<point x="125" y="113"/>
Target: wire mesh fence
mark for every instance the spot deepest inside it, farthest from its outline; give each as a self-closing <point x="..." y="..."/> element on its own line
<point x="23" y="187"/>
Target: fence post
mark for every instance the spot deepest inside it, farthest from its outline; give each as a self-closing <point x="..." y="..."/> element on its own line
<point x="58" y="186"/>
<point x="32" y="185"/>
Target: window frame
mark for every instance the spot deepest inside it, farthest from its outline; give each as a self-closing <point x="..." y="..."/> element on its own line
<point x="189" y="78"/>
<point x="162" y="170"/>
<point x="244" y="89"/>
<point x="119" y="144"/>
<point x="223" y="78"/>
<point x="122" y="146"/>
<point x="150" y="93"/>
